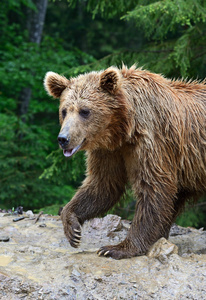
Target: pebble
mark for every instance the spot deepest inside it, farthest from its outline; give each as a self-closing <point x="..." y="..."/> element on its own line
<point x="30" y="214"/>
<point x="4" y="238"/>
<point x="42" y="225"/>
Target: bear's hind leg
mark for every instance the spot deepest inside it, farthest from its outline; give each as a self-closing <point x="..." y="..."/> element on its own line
<point x="153" y="218"/>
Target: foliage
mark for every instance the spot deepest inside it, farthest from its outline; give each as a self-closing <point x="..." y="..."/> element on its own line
<point x="51" y="209"/>
<point x="174" y="33"/>
<point x="168" y="15"/>
<point x="97" y="36"/>
<point x="192" y="216"/>
<point x="107" y="9"/>
<point x="182" y="24"/>
<point x="21" y="164"/>
<point x="24" y="145"/>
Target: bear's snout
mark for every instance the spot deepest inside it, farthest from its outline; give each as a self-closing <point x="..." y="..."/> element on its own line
<point x="63" y="140"/>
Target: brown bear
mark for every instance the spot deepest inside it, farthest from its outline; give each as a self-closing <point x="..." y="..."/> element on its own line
<point x="140" y="128"/>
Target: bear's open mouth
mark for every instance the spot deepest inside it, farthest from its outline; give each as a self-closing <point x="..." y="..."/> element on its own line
<point x="70" y="152"/>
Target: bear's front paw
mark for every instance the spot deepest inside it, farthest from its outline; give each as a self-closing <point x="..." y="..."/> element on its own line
<point x="72" y="228"/>
<point x="118" y="251"/>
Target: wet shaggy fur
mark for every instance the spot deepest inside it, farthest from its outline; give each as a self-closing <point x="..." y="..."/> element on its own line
<point x="136" y="127"/>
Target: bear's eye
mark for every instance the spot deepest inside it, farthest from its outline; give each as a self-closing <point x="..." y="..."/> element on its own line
<point x="64" y="113"/>
<point x="84" y="112"/>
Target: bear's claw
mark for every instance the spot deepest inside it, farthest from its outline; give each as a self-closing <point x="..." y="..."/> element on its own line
<point x="78" y="236"/>
<point x="74" y="238"/>
<point x="118" y="251"/>
<point x="74" y="244"/>
<point x="72" y="228"/>
<point x="102" y="252"/>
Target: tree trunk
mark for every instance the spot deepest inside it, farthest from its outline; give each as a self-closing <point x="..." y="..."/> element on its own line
<point x="81" y="18"/>
<point x="24" y="99"/>
<point x="35" y="21"/>
<point x="35" y="24"/>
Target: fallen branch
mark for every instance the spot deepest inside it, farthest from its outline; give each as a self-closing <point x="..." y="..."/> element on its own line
<point x="39" y="215"/>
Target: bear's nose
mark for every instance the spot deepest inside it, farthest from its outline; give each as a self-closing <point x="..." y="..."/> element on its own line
<point x="62" y="140"/>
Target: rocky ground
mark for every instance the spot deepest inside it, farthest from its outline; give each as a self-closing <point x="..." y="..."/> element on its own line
<point x="36" y="262"/>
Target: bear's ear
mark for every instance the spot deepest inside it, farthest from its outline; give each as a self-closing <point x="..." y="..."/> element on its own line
<point x="110" y="80"/>
<point x="54" y="84"/>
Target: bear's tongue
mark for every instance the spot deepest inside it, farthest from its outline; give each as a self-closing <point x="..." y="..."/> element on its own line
<point x="70" y="152"/>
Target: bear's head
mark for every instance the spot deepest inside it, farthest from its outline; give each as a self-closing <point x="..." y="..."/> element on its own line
<point x="93" y="112"/>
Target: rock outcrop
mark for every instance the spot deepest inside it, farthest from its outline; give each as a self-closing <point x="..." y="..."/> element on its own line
<point x="37" y="262"/>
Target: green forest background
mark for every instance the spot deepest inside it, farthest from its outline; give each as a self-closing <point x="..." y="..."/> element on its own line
<point x="73" y="37"/>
